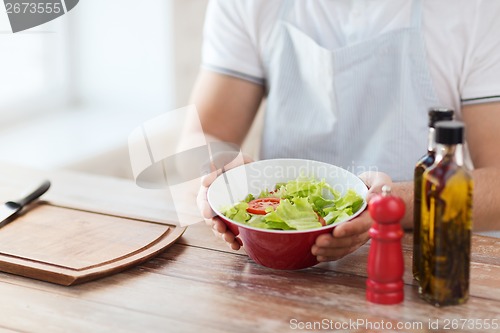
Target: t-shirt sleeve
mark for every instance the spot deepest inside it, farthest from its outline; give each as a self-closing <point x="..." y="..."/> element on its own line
<point x="482" y="82"/>
<point x="228" y="46"/>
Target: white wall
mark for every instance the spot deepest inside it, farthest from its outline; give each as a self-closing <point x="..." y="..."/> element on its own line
<point x="120" y="72"/>
<point x="188" y="35"/>
<point x="123" y="52"/>
<point x="125" y="62"/>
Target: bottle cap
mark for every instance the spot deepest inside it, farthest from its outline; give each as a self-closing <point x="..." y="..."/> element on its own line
<point x="438" y="114"/>
<point x="450" y="132"/>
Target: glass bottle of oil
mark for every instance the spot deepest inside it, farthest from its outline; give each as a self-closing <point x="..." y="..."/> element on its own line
<point x="446" y="221"/>
<point x="435" y="115"/>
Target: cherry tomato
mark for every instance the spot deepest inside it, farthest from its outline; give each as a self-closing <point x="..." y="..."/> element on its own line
<point x="258" y="206"/>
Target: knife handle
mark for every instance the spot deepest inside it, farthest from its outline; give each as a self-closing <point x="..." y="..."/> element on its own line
<point x="34" y="195"/>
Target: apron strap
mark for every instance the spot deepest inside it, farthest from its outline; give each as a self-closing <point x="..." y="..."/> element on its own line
<point x="286" y="6"/>
<point x="416" y="14"/>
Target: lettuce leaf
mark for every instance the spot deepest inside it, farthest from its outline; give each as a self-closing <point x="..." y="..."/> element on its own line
<point x="237" y="212"/>
<point x="299" y="215"/>
<point x="350" y="200"/>
<point x="302" y="200"/>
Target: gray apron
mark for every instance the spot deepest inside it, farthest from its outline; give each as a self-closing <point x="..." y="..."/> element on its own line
<point x="361" y="107"/>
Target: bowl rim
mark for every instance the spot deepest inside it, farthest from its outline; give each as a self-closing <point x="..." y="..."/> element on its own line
<point x="286" y="232"/>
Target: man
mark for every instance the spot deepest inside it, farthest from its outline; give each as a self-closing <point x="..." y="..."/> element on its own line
<point x="349" y="83"/>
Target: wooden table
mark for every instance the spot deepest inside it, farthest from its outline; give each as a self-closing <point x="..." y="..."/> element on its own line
<point x="199" y="285"/>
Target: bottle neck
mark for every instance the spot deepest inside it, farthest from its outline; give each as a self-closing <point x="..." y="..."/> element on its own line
<point x="450" y="152"/>
<point x="431" y="140"/>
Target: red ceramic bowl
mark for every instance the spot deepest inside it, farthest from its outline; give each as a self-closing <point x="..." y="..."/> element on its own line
<point x="278" y="249"/>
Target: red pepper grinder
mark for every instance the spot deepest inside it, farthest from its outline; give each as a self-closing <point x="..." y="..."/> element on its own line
<point x="385" y="259"/>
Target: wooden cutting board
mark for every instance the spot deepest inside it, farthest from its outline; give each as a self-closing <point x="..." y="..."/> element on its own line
<point x="67" y="244"/>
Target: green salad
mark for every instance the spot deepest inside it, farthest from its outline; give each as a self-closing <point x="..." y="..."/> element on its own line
<point x="299" y="204"/>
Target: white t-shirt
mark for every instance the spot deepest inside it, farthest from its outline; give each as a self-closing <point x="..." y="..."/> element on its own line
<point x="462" y="38"/>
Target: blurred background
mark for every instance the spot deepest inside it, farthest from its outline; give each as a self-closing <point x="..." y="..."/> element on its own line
<point x="73" y="89"/>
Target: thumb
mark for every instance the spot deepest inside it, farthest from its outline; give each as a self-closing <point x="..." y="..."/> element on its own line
<point x="375" y="181"/>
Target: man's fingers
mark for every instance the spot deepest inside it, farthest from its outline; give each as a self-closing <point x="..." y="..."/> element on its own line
<point x="339" y="248"/>
<point x="202" y="203"/>
<point x="333" y="254"/>
<point x="218" y="225"/>
<point x="228" y="237"/>
<point x="338" y="256"/>
<point x="332" y="242"/>
<point x="235" y="246"/>
<point x="345" y="239"/>
<point x="232" y="241"/>
<point x="374" y="178"/>
<point x="209" y="178"/>
<point x="375" y="181"/>
<point x="324" y="240"/>
<point x="325" y="247"/>
<point x="221" y="231"/>
<point x="359" y="225"/>
<point x="214" y="168"/>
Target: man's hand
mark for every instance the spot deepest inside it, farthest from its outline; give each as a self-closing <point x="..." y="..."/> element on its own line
<point x="349" y="236"/>
<point x="218" y="227"/>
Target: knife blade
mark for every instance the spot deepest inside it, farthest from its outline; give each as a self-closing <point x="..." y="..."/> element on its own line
<point x="12" y="208"/>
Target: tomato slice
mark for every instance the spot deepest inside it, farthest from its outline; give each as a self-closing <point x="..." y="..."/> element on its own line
<point x="321" y="220"/>
<point x="258" y="206"/>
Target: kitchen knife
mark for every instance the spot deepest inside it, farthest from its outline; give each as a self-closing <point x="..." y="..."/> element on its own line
<point x="11" y="208"/>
